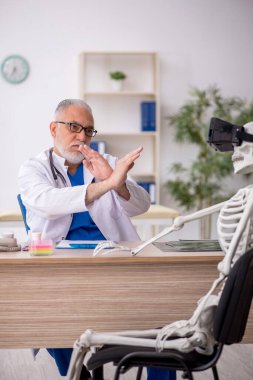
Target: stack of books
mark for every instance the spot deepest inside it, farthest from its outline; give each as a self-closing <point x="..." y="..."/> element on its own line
<point x="148" y="116"/>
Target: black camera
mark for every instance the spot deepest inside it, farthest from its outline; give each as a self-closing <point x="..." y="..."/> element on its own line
<point x="223" y="136"/>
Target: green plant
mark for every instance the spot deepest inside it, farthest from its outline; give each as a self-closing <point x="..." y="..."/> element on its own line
<point x="200" y="185"/>
<point x="118" y="75"/>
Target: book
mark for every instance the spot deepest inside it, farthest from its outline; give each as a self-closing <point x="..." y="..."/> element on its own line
<point x="148" y="116"/>
<point x="150" y="187"/>
<point x="98" y="146"/>
<point x="152" y="192"/>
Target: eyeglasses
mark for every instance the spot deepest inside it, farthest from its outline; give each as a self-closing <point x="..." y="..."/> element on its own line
<point x="77" y="128"/>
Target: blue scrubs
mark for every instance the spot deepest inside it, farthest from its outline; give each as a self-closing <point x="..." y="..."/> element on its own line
<point x="82" y="226"/>
<point x="161" y="374"/>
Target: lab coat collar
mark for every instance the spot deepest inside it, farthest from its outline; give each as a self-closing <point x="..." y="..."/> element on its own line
<point x="60" y="160"/>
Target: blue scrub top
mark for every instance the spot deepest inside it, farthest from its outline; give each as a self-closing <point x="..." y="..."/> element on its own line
<point x="82" y="226"/>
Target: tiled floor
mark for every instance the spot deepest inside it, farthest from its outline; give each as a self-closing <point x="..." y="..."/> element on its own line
<point x="235" y="364"/>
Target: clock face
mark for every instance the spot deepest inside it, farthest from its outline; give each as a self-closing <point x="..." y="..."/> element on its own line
<point x="15" y="69"/>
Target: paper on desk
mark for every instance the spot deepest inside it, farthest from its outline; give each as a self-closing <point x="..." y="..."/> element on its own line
<point x="188" y="245"/>
<point x="78" y="244"/>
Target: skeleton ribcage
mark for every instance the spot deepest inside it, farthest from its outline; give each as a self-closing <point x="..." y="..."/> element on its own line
<point x="229" y="217"/>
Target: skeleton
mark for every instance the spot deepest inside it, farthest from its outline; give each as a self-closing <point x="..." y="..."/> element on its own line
<point x="235" y="233"/>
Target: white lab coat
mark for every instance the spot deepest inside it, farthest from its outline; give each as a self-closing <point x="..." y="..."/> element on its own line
<point x="50" y="204"/>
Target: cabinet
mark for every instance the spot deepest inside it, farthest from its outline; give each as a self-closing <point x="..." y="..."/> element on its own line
<point x="118" y="114"/>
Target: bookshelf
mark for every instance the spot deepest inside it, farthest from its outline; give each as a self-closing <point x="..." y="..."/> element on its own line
<point x="119" y="114"/>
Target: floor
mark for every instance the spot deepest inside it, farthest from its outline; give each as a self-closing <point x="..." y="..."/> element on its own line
<point x="235" y="364"/>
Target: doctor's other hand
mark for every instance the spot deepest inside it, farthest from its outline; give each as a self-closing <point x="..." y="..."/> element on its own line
<point x="109" y="179"/>
<point x="123" y="165"/>
<point x="95" y="163"/>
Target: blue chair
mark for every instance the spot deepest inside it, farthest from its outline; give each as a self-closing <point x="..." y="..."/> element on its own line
<point x="23" y="212"/>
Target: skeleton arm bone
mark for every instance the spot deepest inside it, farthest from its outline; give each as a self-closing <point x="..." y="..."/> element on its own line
<point x="179" y="223"/>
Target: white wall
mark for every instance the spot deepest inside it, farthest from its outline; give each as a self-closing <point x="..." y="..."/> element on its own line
<point x="200" y="43"/>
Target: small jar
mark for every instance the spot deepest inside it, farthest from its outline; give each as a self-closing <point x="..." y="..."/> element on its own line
<point x="38" y="247"/>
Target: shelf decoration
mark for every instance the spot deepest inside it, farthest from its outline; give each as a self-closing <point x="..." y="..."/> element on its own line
<point x="117" y="78"/>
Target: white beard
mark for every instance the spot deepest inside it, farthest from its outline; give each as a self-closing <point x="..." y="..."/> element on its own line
<point x="71" y="157"/>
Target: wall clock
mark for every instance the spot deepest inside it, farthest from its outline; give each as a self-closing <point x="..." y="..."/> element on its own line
<point x="15" y="69"/>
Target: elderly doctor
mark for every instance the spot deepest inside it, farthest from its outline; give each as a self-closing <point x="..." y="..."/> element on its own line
<point x="72" y="192"/>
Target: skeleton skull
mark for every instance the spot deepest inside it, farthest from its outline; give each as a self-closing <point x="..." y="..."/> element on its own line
<point x="242" y="157"/>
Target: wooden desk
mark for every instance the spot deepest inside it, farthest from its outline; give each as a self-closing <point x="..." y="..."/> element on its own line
<point x="50" y="301"/>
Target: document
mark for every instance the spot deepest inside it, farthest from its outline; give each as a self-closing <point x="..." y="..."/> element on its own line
<point x="78" y="244"/>
<point x="188" y="245"/>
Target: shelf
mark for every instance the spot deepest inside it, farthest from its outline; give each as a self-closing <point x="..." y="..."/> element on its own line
<point x="119" y="53"/>
<point x="120" y="115"/>
<point x="120" y="93"/>
<point x="95" y="72"/>
<point x="143" y="175"/>
<point x="125" y="134"/>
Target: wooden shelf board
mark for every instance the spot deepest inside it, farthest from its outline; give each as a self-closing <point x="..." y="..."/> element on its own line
<point x="119" y="93"/>
<point x="126" y="134"/>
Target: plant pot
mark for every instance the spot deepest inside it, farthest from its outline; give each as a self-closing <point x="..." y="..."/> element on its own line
<point x="117" y="85"/>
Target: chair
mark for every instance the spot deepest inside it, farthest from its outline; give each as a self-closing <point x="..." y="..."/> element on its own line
<point x="23" y="212"/>
<point x="229" y="326"/>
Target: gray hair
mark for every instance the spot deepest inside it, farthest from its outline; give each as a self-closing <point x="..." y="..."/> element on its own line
<point x="72" y="102"/>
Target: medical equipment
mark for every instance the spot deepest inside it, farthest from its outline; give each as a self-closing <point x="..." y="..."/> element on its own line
<point x="54" y="170"/>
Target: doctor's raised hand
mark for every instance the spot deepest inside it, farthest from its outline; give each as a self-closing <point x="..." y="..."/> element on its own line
<point x="119" y="176"/>
<point x="113" y="179"/>
<point x="99" y="166"/>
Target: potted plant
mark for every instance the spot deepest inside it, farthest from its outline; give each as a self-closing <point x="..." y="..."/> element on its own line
<point x="117" y="78"/>
<point x="199" y="185"/>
